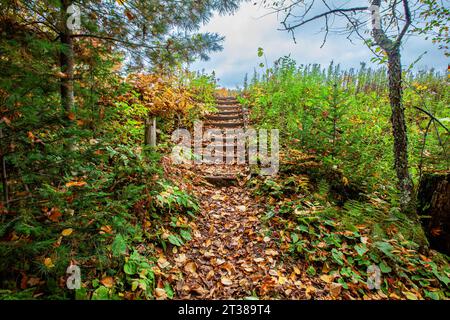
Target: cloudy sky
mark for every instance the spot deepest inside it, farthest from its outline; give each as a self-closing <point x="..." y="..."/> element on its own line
<point x="251" y="28"/>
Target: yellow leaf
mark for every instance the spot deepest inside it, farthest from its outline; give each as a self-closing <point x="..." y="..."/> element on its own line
<point x="345" y="181"/>
<point x="410" y="295"/>
<point x="48" y="263"/>
<point x="67" y="232"/>
<point x="326" y="278"/>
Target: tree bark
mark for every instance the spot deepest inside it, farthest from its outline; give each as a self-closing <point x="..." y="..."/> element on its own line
<point x="399" y="130"/>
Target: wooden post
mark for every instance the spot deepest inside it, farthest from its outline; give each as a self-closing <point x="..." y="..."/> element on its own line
<point x="153" y="133"/>
<point x="150" y="132"/>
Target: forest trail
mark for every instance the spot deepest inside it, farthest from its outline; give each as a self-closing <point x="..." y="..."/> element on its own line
<point x="232" y="254"/>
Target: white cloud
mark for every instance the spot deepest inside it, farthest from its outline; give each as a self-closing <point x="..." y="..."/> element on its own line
<point x="250" y="28"/>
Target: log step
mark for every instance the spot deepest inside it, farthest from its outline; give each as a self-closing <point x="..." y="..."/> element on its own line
<point x="224" y="117"/>
<point x="229" y="112"/>
<point x="225" y="124"/>
<point x="225" y="98"/>
<point x="222" y="181"/>
<point x="228" y="102"/>
<point x="228" y="107"/>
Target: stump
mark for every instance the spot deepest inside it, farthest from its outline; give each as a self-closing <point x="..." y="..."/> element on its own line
<point x="433" y="201"/>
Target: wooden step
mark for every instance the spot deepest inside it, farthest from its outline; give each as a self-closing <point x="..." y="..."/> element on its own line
<point x="225" y="124"/>
<point x="224" y="117"/>
<point x="222" y="181"/>
<point x="229" y="112"/>
<point x="227" y="99"/>
<point x="227" y="102"/>
<point x="236" y="109"/>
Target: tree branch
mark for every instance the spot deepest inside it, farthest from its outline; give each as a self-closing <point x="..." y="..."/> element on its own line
<point x="324" y="14"/>
<point x="407" y="23"/>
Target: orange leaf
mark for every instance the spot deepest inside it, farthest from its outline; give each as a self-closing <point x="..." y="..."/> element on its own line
<point x="71" y="116"/>
<point x="75" y="184"/>
<point x="54" y="214"/>
<point x="105" y="229"/>
<point x="107" y="282"/>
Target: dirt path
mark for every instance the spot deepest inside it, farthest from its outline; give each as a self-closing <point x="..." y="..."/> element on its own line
<point x="232" y="254"/>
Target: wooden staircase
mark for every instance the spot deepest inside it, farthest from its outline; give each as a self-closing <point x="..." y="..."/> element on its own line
<point x="231" y="115"/>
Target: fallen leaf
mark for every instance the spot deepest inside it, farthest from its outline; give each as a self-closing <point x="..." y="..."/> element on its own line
<point x="335" y="289"/>
<point x="190" y="267"/>
<point x="48" y="263"/>
<point x="67" y="232"/>
<point x="160" y="293"/>
<point x="76" y="184"/>
<point x="54" y="214"/>
<point x="181" y="258"/>
<point x="271" y="252"/>
<point x="326" y="278"/>
<point x="105" y="229"/>
<point x="226" y="281"/>
<point x="107" y="282"/>
<point x="163" y="263"/>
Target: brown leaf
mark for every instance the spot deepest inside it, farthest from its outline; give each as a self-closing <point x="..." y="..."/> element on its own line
<point x="190" y="267"/>
<point x="226" y="281"/>
<point x="335" y="289"/>
<point x="163" y="263"/>
<point x="271" y="252"/>
<point x="160" y="294"/>
<point x="107" y="282"/>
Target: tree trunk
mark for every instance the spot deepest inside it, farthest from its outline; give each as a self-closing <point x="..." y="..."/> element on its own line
<point x="66" y="61"/>
<point x="392" y="48"/>
<point x="405" y="184"/>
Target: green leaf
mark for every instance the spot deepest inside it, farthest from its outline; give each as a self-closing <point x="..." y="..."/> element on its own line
<point x="385" y="268"/>
<point x="169" y="290"/>
<point x="130" y="268"/>
<point x="101" y="293"/>
<point x="338" y="256"/>
<point x="175" y="240"/>
<point x="119" y="246"/>
<point x="311" y="271"/>
<point x="134" y="285"/>
<point x="385" y="247"/>
<point x="361" y="249"/>
<point x="432" y="294"/>
<point x="186" y="235"/>
<point x="260" y="52"/>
